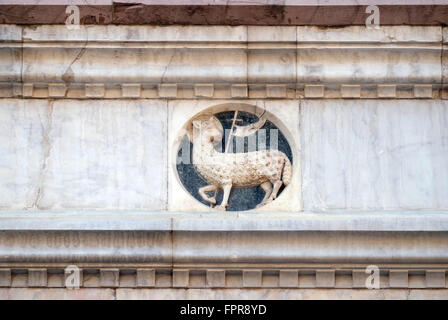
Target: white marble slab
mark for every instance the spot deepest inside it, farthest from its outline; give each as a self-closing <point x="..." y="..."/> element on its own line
<point x="106" y="154"/>
<point x="382" y="154"/>
<point x="23" y="124"/>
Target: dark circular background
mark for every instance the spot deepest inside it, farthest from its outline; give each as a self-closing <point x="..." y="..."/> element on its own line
<point x="240" y="198"/>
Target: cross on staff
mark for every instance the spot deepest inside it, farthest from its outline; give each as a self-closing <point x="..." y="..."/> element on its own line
<point x="231" y="130"/>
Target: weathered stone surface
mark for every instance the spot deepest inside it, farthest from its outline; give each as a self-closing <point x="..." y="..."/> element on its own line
<point x="252" y="278"/>
<point x="5" y="277"/>
<point x="146" y="278"/>
<point x="281" y="294"/>
<point x="435" y="278"/>
<point x="216" y="278"/>
<point x="374" y="154"/>
<point x="222" y="12"/>
<point x="56" y="294"/>
<point x="288" y="278"/>
<point x="109" y="278"/>
<point x="325" y="278"/>
<point x="106" y="155"/>
<point x="180" y="278"/>
<point x="145" y="62"/>
<point x="388" y="63"/>
<point x="24" y="144"/>
<point x="151" y="294"/>
<point x="224" y="54"/>
<point x="263" y="62"/>
<point x="398" y="278"/>
<point x="37" y="277"/>
<point x="10" y="54"/>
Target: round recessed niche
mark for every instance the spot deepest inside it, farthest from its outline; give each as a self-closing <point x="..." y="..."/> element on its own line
<point x="257" y="160"/>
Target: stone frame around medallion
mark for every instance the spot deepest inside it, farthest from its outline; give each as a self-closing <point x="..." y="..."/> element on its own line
<point x="282" y="113"/>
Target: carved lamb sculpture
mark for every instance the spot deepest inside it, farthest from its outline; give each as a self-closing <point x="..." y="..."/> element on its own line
<point x="266" y="168"/>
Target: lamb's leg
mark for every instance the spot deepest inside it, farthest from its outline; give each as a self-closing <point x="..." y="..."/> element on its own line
<point x="267" y="187"/>
<point x="277" y="185"/>
<point x="202" y="193"/>
<point x="225" y="199"/>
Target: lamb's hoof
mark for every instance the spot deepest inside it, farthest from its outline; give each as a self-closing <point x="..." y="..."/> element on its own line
<point x="220" y="208"/>
<point x="212" y="201"/>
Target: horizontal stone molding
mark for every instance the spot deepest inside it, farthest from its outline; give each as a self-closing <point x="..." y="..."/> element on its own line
<point x="132" y="220"/>
<point x="305" y="277"/>
<point x="219" y="91"/>
<point x="224" y="241"/>
<point x="235" y="12"/>
<point x="52" y="61"/>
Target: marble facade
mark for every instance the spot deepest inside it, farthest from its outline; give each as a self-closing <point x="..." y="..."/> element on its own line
<point x="90" y="121"/>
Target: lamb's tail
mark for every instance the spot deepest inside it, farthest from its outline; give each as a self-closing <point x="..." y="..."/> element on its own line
<point x="287" y="172"/>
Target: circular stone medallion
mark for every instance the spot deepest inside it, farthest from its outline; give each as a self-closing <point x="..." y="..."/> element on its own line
<point x="267" y="148"/>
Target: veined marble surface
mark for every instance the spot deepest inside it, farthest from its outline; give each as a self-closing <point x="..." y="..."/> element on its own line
<point x="97" y="154"/>
<point x="83" y="154"/>
<point x="23" y="124"/>
<point x="381" y="154"/>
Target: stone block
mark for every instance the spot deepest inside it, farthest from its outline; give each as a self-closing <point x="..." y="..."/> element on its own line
<point x="5" y="277"/>
<point x="288" y="278"/>
<point x="57" y="90"/>
<point x="24" y="125"/>
<point x="359" y="277"/>
<point x="398" y="278"/>
<point x="130" y="90"/>
<point x="109" y="278"/>
<point x="203" y="90"/>
<point x="423" y="91"/>
<point x="325" y="278"/>
<point x="435" y="278"/>
<point x="167" y="90"/>
<point x="216" y="278"/>
<point x="238" y="91"/>
<point x="275" y="91"/>
<point x="252" y="278"/>
<point x="94" y="90"/>
<point x="386" y="91"/>
<point x="146" y="278"/>
<point x="105" y="154"/>
<point x="314" y="91"/>
<point x="181" y="278"/>
<point x="393" y="148"/>
<point x="27" y="89"/>
<point x="350" y="91"/>
<point x="37" y="277"/>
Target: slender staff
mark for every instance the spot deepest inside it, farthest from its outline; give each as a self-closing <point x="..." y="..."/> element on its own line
<point x="231" y="131"/>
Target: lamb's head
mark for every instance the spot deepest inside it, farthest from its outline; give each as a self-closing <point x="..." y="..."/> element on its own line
<point x="208" y="129"/>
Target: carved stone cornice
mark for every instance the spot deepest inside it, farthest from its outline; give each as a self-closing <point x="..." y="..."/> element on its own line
<point x="302" y="250"/>
<point x="224" y="239"/>
<point x="52" y="61"/>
